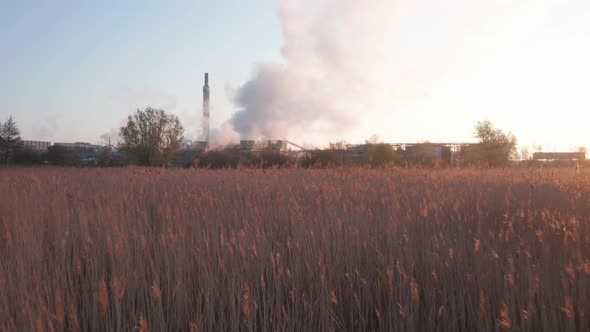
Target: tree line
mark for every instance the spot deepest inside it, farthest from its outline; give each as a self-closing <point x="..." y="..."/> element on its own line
<point x="494" y="148"/>
<point x="152" y="137"/>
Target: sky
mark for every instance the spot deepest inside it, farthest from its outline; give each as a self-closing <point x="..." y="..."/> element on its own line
<point x="74" y="70"/>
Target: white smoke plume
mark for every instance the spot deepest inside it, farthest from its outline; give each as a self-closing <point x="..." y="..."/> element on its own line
<point x="223" y="135"/>
<point x="331" y="49"/>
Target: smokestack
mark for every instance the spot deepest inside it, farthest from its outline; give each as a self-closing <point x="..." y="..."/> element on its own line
<point x="206" y="97"/>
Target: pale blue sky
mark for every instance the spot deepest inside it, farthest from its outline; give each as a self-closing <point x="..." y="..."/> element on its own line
<point x="72" y="71"/>
<point x="81" y="68"/>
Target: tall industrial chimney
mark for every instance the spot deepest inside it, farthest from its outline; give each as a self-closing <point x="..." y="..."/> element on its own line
<point x="206" y="97"/>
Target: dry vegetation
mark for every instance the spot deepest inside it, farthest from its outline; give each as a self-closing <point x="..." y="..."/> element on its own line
<point x="294" y="250"/>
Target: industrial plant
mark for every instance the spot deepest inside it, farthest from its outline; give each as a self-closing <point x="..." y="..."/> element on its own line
<point x="250" y="152"/>
<point x="448" y="153"/>
<point x="439" y="150"/>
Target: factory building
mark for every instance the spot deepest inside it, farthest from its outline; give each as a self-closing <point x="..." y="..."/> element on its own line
<point x="79" y="146"/>
<point x="277" y="145"/>
<point x="559" y="156"/>
<point x="412" y="152"/>
<point x="87" y="152"/>
<point x="428" y="152"/>
<point x="38" y="146"/>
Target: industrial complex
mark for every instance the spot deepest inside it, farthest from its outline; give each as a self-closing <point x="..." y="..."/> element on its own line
<point x="449" y="153"/>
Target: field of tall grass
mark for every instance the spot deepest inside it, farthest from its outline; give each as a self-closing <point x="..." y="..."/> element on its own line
<point x="294" y="250"/>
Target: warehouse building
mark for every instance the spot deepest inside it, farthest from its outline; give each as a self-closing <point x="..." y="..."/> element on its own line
<point x="38" y="146"/>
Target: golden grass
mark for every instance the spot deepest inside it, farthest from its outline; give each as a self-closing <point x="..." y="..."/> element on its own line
<point x="294" y="250"/>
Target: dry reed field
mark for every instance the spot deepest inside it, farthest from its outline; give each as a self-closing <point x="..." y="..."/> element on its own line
<point x="294" y="250"/>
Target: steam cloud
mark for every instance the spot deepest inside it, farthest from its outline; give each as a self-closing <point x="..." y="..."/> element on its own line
<point x="331" y="47"/>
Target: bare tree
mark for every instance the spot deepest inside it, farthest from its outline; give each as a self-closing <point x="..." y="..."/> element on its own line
<point x="151" y="137"/>
<point x="373" y="140"/>
<point x="339" y="145"/>
<point x="525" y="154"/>
<point x="495" y="147"/>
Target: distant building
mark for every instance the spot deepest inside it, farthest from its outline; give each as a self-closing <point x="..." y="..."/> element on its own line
<point x="78" y="146"/>
<point x="277" y="145"/>
<point x="559" y="156"/>
<point x="88" y="152"/>
<point x="38" y="146"/>
<point x="428" y="152"/>
<point x="413" y="152"/>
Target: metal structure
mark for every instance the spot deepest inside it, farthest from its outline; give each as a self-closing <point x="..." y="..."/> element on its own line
<point x="295" y="145"/>
<point x="274" y="145"/>
<point x="206" y="99"/>
<point x="279" y="145"/>
<point x="437" y="148"/>
<point x="416" y="152"/>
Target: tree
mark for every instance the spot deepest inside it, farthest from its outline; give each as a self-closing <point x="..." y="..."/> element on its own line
<point x="109" y="157"/>
<point x="105" y="157"/>
<point x="381" y="154"/>
<point x="495" y="147"/>
<point x="339" y="145"/>
<point x="525" y="154"/>
<point x="373" y="140"/>
<point x="267" y="159"/>
<point x="151" y="137"/>
<point x="324" y="158"/>
<point x="218" y="159"/>
<point x="25" y="155"/>
<point x="9" y="138"/>
<point x="428" y="154"/>
<point x="62" y="156"/>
